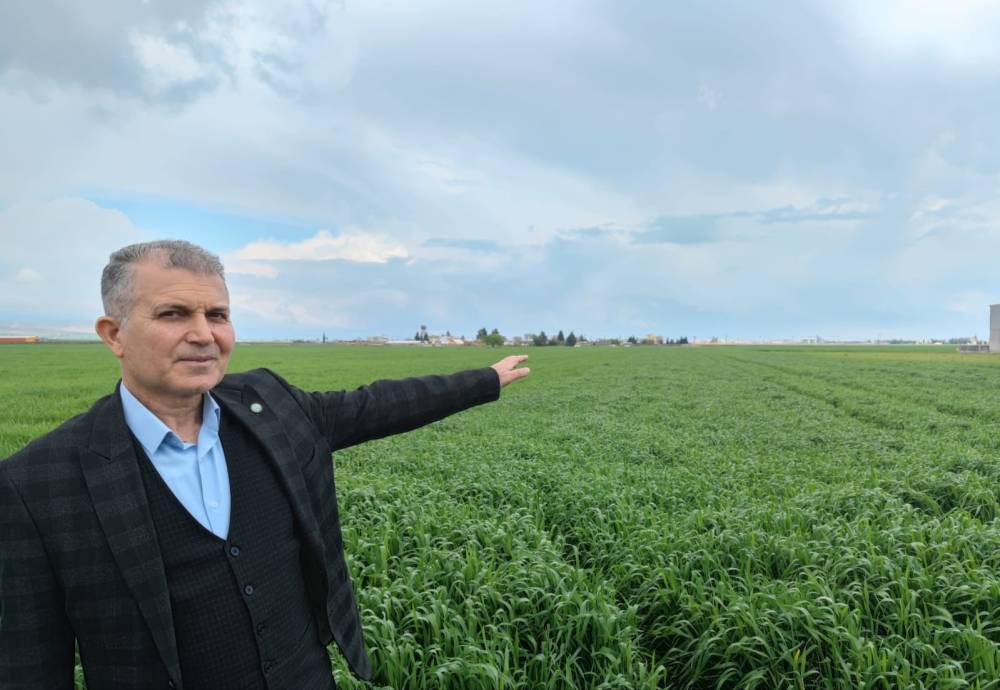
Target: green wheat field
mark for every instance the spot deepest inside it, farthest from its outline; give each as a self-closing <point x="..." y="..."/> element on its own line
<point x="653" y="517"/>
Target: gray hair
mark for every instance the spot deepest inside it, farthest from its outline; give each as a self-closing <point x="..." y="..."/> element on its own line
<point x="116" y="280"/>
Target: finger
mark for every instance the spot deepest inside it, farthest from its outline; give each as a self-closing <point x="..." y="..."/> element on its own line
<point x="513" y="375"/>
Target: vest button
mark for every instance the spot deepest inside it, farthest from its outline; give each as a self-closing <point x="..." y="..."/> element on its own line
<point x="170" y="684"/>
<point x="267" y="665"/>
<point x="234" y="551"/>
<point x="248" y="589"/>
<point x="261" y="627"/>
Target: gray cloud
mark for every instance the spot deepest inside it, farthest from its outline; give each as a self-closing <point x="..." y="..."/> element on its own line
<point x="700" y="229"/>
<point x="88" y="44"/>
<point x="826" y="210"/>
<point x="774" y="161"/>
<point x="709" y="228"/>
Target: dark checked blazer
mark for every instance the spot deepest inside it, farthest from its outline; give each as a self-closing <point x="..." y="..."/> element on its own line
<point x="79" y="559"/>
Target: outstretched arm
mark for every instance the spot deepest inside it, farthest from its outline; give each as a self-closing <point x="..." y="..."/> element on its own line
<point x="390" y="407"/>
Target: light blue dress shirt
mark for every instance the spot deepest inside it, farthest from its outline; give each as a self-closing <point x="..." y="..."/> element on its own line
<point x="196" y="473"/>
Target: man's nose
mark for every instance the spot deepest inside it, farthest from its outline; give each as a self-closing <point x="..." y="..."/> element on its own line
<point x="199" y="330"/>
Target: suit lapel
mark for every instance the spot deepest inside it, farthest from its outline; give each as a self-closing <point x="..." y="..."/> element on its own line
<point x="111" y="472"/>
<point x="259" y="419"/>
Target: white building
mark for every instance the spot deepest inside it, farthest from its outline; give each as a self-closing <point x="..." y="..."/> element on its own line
<point x="995" y="328"/>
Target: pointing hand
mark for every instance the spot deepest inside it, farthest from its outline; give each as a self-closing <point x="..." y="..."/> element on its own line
<point x="505" y="369"/>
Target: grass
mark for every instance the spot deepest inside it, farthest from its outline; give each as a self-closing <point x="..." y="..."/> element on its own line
<point x="728" y="517"/>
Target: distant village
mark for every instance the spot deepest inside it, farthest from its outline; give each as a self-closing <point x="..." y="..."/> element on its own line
<point x="493" y="338"/>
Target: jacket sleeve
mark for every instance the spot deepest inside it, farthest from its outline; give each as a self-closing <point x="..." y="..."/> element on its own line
<point x="36" y="641"/>
<point x="347" y="418"/>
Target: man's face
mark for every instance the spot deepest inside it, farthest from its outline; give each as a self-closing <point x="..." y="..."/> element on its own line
<point x="177" y="339"/>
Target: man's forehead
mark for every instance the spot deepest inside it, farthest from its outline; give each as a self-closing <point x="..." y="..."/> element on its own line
<point x="156" y="282"/>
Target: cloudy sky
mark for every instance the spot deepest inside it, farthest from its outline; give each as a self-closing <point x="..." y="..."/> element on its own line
<point x="611" y="168"/>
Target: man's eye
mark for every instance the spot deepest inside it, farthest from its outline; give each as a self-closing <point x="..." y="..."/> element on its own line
<point x="170" y="313"/>
<point x="219" y="316"/>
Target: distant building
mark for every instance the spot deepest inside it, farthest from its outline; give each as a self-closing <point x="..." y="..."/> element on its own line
<point x="11" y="339"/>
<point x="995" y="328"/>
<point x="974" y="345"/>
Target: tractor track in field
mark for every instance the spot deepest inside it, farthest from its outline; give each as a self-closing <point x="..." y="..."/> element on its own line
<point x="872" y="419"/>
<point x="915" y="401"/>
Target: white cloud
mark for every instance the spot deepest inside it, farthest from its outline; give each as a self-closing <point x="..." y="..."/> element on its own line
<point x="323" y="114"/>
<point x="972" y="303"/>
<point x="27" y="276"/>
<point x="962" y="32"/>
<point x="946" y="261"/>
<point x="311" y="306"/>
<point x="297" y="48"/>
<point x="53" y="254"/>
<point x="237" y="266"/>
<point x="351" y="245"/>
<point x="930" y="207"/>
<point x="281" y="309"/>
<point x="709" y="97"/>
<point x="167" y="64"/>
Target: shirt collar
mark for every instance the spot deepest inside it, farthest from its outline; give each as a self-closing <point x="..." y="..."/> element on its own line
<point x="151" y="432"/>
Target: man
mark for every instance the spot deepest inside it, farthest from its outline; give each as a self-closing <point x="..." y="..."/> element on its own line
<point x="184" y="532"/>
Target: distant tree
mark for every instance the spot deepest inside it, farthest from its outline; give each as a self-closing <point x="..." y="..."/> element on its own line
<point x="448" y="333"/>
<point x="541" y="339"/>
<point x="570" y="339"/>
<point x="417" y="336"/>
<point x="494" y="332"/>
<point x="632" y="339"/>
<point x="481" y="334"/>
<point x="682" y="340"/>
<point x="560" y="338"/>
<point x="494" y="339"/>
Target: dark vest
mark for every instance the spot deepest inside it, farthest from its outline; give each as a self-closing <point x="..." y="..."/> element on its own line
<point x="241" y="613"/>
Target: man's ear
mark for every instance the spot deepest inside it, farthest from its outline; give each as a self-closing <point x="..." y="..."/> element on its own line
<point x="109" y="331"/>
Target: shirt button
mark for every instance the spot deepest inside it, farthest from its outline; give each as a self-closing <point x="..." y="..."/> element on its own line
<point x="213" y="504"/>
<point x="234" y="551"/>
<point x="248" y="589"/>
<point x="261" y="627"/>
